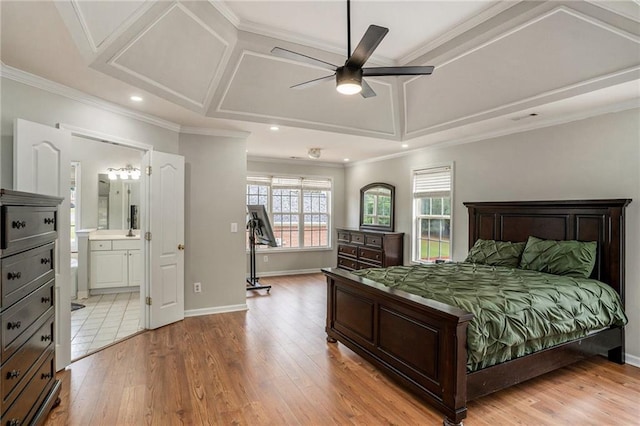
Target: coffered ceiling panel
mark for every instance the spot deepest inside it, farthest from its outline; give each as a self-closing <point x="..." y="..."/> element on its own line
<point x="178" y="54"/>
<point x="247" y="95"/>
<point x="100" y="19"/>
<point x="555" y="52"/>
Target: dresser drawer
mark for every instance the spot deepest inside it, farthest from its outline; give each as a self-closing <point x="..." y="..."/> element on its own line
<point x="18" y="368"/>
<point x="346" y="250"/>
<point x="17" y="319"/>
<point x="24" y="272"/>
<point x="346" y="263"/>
<point x="344" y="236"/>
<point x="25" y="227"/>
<point x="33" y="395"/>
<point x="357" y="238"/>
<point x="371" y="256"/>
<point x="100" y="245"/>
<point x="373" y="240"/>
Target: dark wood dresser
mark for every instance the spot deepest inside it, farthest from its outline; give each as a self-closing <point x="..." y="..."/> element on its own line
<point x="27" y="308"/>
<point x="369" y="249"/>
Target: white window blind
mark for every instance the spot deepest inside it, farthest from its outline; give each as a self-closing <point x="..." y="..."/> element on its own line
<point x="433" y="182"/>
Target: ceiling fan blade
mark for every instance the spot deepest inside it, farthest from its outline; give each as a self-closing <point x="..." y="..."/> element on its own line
<point x="313" y="82"/>
<point x="371" y="39"/>
<point x="380" y="71"/>
<point x="367" y="91"/>
<point x="299" y="57"/>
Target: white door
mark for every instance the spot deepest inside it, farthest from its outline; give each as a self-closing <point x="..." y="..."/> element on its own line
<point x="165" y="280"/>
<point x="41" y="164"/>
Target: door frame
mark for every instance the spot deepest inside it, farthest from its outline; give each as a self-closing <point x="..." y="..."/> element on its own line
<point x="145" y="197"/>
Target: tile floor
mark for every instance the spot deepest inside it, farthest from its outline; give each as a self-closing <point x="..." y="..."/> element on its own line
<point x="105" y="319"/>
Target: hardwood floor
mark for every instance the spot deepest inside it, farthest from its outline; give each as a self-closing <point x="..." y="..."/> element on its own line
<point x="272" y="365"/>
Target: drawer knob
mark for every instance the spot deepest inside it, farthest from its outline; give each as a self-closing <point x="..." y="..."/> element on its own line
<point x="45" y="260"/>
<point x="14" y="275"/>
<point x="46" y="376"/>
<point x="13" y="374"/>
<point x="14" y="325"/>
<point x="46" y="338"/>
<point x="17" y="224"/>
<point x="45" y="299"/>
<point x="49" y="220"/>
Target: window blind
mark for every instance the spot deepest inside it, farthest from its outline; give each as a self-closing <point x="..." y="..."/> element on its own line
<point x="432" y="182"/>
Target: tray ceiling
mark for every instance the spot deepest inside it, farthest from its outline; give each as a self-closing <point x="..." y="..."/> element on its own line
<point x="492" y="59"/>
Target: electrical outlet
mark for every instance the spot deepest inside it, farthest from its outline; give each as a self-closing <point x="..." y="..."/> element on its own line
<point x="197" y="288"/>
<point x="265" y="259"/>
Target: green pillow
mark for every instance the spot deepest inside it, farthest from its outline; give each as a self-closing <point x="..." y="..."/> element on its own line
<point x="495" y="253"/>
<point x="573" y="258"/>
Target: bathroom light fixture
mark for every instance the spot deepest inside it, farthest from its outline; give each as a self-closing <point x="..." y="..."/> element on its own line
<point x="314" y="153"/>
<point x="128" y="172"/>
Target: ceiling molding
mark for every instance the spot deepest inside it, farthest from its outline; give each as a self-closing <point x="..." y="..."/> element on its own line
<point x="226" y="12"/>
<point x="205" y="131"/>
<point x="321" y="125"/>
<point x="560" y="9"/>
<point x="215" y="75"/>
<point x="460" y="29"/>
<point x="606" y="6"/>
<point x="295" y="161"/>
<point x="619" y="107"/>
<point x="79" y="96"/>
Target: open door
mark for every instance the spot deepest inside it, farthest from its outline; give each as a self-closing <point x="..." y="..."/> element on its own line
<point x="41" y="161"/>
<point x="165" y="241"/>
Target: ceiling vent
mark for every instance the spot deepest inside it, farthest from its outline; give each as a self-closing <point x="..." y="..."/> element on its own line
<point x="314" y="153"/>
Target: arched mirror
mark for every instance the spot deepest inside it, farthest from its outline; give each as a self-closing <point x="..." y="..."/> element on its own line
<point x="376" y="207"/>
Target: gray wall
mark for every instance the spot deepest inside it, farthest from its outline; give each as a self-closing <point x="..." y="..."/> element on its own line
<point x="215" y="181"/>
<point x="592" y="158"/>
<point x="289" y="262"/>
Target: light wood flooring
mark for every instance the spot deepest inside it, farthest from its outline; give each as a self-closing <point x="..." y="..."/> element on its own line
<point x="271" y="365"/>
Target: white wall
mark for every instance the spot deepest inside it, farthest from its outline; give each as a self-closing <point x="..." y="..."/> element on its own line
<point x="291" y="261"/>
<point x="593" y="158"/>
<point x="215" y="181"/>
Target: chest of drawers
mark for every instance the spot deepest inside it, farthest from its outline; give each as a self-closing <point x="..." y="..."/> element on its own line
<point x="27" y="307"/>
<point x="369" y="249"/>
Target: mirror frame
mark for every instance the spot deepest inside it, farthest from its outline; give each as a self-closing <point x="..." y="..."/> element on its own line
<point x="369" y="227"/>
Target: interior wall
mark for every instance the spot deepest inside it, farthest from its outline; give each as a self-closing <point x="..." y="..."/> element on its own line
<point x="287" y="262"/>
<point x="215" y="181"/>
<point x="593" y="158"/>
<point x="30" y="103"/>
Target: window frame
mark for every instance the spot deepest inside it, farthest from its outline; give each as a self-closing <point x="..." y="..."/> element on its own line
<point x="416" y="216"/>
<point x="267" y="179"/>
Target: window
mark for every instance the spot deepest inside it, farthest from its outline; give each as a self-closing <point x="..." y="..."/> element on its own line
<point x="299" y="208"/>
<point x="432" y="214"/>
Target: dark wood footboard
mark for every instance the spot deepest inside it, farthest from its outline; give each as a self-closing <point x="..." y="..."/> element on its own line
<point x="419" y="342"/>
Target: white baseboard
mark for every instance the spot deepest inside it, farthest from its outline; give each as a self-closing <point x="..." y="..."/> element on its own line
<point x="290" y="272"/>
<point x="215" y="310"/>
<point x="631" y="359"/>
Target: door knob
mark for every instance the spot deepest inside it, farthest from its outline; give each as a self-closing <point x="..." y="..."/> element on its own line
<point x="180" y="246"/>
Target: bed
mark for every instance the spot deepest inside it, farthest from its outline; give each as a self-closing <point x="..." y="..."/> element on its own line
<point x="422" y="343"/>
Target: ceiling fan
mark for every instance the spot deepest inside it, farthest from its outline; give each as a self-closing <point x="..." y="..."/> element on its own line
<point x="348" y="77"/>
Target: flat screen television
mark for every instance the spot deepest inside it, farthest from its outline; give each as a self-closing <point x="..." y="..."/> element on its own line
<point x="263" y="231"/>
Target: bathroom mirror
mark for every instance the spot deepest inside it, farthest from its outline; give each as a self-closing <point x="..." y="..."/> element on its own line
<point x="376" y="207"/>
<point x="118" y="203"/>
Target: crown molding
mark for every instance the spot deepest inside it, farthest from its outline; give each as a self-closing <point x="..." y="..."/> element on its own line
<point x="79" y="96"/>
<point x="296" y="162"/>
<point x="205" y="131"/>
<point x="604" y="5"/>
<point x="225" y="11"/>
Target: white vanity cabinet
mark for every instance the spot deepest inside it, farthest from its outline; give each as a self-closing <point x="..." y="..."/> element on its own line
<point x="115" y="263"/>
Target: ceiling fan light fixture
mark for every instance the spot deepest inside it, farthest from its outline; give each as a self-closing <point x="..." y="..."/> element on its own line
<point x="349" y="80"/>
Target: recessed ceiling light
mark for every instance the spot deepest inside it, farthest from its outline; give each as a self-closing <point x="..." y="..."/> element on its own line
<point x="136" y="98"/>
<point x="346" y="159"/>
<point x="405" y="145"/>
<point x="274" y="128"/>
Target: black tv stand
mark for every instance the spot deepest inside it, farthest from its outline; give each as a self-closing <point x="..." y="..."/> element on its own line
<point x="253" y="282"/>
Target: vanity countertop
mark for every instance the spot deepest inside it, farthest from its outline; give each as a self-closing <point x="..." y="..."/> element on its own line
<point x="96" y="236"/>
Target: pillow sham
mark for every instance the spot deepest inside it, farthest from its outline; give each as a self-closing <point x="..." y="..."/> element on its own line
<point x="572" y="258"/>
<point x="495" y="253"/>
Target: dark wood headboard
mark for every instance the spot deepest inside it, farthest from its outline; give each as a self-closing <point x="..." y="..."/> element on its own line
<point x="582" y="220"/>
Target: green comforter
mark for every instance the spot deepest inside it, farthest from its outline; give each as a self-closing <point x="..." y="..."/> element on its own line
<point x="516" y="311"/>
